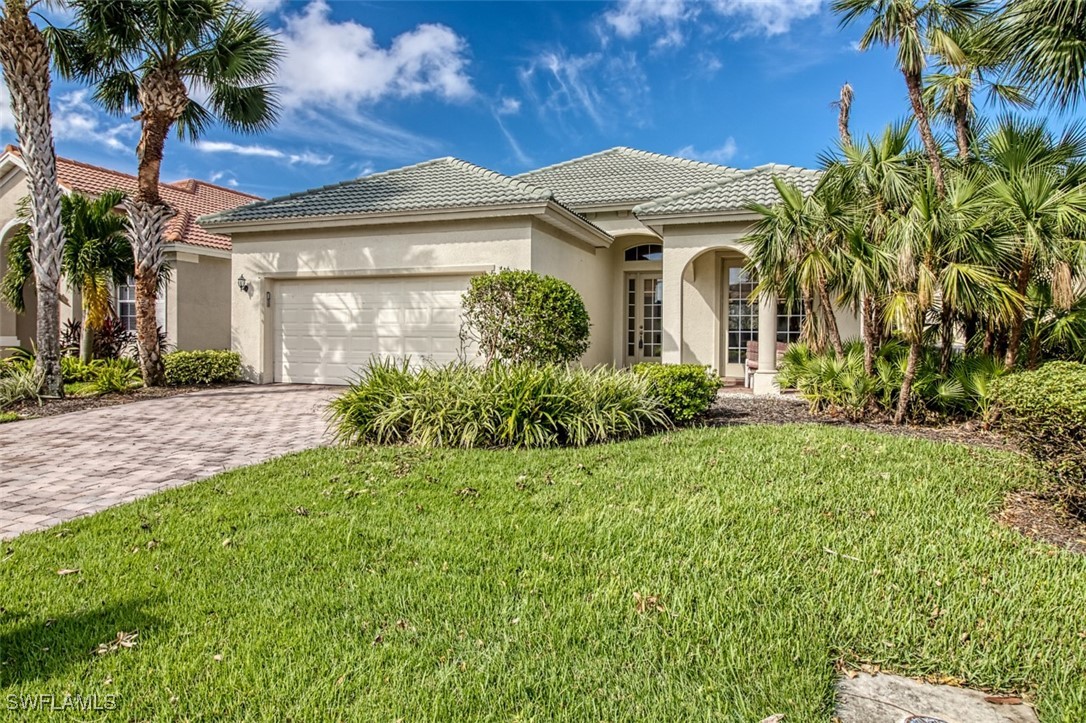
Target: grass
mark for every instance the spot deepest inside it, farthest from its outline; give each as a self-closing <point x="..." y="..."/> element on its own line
<point x="9" y="417"/>
<point x="699" y="574"/>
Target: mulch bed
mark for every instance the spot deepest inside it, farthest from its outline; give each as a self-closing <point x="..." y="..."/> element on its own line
<point x="1040" y="518"/>
<point x="53" y="407"/>
<point x="736" y="407"/>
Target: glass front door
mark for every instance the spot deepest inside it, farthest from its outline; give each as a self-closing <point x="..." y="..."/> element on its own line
<point x="644" y="317"/>
<point x="742" y="320"/>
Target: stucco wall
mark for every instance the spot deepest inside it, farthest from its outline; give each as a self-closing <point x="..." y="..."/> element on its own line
<point x="198" y="302"/>
<point x="586" y="269"/>
<point x="449" y="247"/>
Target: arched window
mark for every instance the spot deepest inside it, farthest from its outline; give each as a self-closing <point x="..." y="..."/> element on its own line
<point x="645" y="252"/>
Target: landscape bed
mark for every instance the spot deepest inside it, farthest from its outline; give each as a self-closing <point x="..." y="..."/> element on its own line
<point x="721" y="573"/>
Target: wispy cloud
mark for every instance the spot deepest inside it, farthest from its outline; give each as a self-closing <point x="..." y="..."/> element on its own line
<point x="508" y="106"/>
<point x="722" y="154"/>
<point x="307" y="158"/>
<point x="76" y="119"/>
<point x="340" y="64"/>
<point x="671" y="20"/>
<point x="225" y="178"/>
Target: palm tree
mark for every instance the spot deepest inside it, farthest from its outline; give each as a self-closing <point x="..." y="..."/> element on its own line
<point x="791" y="253"/>
<point x="150" y="55"/>
<point x="97" y="257"/>
<point x="1046" y="41"/>
<point x="875" y="176"/>
<point x="24" y="58"/>
<point x="917" y="28"/>
<point x="1037" y="192"/>
<point x="952" y="90"/>
<point x="937" y="241"/>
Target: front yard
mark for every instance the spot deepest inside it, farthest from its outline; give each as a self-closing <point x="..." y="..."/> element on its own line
<point x="714" y="573"/>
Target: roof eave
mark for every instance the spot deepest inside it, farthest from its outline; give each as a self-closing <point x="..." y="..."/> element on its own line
<point x="561" y="217"/>
<point x="655" y="222"/>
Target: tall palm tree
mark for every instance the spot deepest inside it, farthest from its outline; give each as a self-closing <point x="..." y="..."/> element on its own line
<point x="150" y="56"/>
<point x="937" y="242"/>
<point x="24" y="58"/>
<point x="792" y="249"/>
<point x="917" y="28"/>
<point x="952" y="90"/>
<point x="97" y="257"/>
<point x="1046" y="40"/>
<point x="1038" y="195"/>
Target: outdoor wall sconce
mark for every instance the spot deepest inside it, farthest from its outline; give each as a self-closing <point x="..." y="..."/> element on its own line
<point x="243" y="284"/>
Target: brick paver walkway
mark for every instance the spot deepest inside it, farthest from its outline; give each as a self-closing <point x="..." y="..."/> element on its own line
<point x="56" y="468"/>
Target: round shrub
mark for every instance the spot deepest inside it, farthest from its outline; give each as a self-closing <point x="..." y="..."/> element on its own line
<point x="187" y="368"/>
<point x="524" y="317"/>
<point x="1045" y="412"/>
<point x="685" y="390"/>
<point x="500" y="405"/>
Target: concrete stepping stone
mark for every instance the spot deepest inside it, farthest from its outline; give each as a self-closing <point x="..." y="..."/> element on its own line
<point x="883" y="698"/>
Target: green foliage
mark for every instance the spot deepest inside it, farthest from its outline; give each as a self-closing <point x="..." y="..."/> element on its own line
<point x="840" y="385"/>
<point x="9" y="417"/>
<point x="74" y="371"/>
<point x="115" y="376"/>
<point x="21" y="383"/>
<point x="686" y="390"/>
<point x="1045" y="412"/>
<point x="521" y="405"/>
<point x="524" y="317"/>
<point x="185" y="368"/>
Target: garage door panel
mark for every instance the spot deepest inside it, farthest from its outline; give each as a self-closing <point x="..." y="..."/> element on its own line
<point x="328" y="329"/>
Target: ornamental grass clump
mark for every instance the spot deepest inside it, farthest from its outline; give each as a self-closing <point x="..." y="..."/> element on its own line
<point x="460" y="405"/>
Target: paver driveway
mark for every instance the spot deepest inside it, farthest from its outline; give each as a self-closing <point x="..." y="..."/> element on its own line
<point x="57" y="468"/>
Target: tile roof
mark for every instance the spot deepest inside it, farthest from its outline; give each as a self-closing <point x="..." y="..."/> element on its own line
<point x="191" y="198"/>
<point x="440" y="184"/>
<point x="731" y="193"/>
<point x="623" y="175"/>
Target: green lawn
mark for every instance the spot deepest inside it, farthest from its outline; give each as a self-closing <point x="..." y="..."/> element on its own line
<point x="395" y="583"/>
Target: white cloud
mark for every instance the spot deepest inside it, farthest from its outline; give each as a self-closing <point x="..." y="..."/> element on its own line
<point x="76" y="119"/>
<point x="7" y="120"/>
<point x="508" y="106"/>
<point x="226" y="177"/>
<point x="721" y="155"/>
<point x="263" y="6"/>
<point x="670" y="18"/>
<point x="307" y="158"/>
<point x="341" y="64"/>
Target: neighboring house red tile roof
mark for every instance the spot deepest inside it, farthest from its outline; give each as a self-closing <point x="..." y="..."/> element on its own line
<point x="191" y="198"/>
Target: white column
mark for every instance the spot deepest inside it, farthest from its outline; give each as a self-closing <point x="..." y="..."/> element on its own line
<point x="765" y="379"/>
<point x="674" y="264"/>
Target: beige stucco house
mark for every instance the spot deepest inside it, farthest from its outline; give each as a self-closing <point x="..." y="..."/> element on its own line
<point x="194" y="310"/>
<point x="377" y="265"/>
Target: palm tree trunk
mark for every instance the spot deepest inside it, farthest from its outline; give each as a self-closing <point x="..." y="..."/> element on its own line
<point x="24" y="57"/>
<point x="946" y="331"/>
<point x="844" y="113"/>
<point x="961" y="122"/>
<point x="871" y="336"/>
<point x="86" y="342"/>
<point x="970" y="330"/>
<point x="831" y="320"/>
<point x="1014" y="339"/>
<point x="907" y="382"/>
<point x="916" y="98"/>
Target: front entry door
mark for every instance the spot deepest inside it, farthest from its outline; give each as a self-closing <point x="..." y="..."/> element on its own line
<point x="644" y="317"/>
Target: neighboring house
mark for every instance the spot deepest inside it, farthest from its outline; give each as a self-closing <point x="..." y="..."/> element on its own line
<point x="377" y="265"/>
<point x="194" y="309"/>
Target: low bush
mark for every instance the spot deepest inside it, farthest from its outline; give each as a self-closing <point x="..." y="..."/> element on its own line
<point x="841" y="386"/>
<point x="1044" y="411"/>
<point x="115" y="376"/>
<point x="185" y="368"/>
<point x="459" y="405"/>
<point x="8" y="417"/>
<point x="21" y="384"/>
<point x="74" y="371"/>
<point x="685" y="390"/>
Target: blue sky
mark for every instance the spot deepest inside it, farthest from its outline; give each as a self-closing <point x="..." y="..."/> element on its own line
<point x="368" y="86"/>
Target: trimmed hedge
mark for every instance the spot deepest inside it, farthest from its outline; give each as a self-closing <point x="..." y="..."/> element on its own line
<point x="499" y="405"/>
<point x="1045" y="412"/>
<point x="686" y="390"/>
<point x="185" y="368"/>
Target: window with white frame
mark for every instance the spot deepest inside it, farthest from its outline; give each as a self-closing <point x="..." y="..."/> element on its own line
<point x="125" y="304"/>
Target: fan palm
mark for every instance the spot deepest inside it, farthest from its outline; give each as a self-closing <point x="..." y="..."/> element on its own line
<point x="792" y="249"/>
<point x="917" y="28"/>
<point x="24" y="58"/>
<point x="1046" y="40"/>
<point x="150" y="55"/>
<point x="97" y="257"/>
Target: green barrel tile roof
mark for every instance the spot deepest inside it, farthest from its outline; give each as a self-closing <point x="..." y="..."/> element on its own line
<point x="623" y="175"/>
<point x="732" y="193"/>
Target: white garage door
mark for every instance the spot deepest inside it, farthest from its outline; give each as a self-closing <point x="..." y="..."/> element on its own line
<point x="326" y="330"/>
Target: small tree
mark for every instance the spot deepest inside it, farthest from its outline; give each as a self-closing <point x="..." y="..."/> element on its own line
<point x="521" y="316"/>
